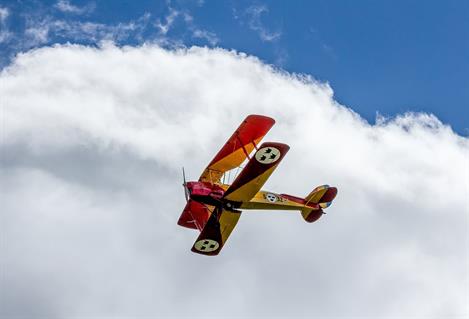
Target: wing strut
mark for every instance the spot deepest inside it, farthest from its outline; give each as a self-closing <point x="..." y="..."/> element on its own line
<point x="242" y="145"/>
<point x="255" y="146"/>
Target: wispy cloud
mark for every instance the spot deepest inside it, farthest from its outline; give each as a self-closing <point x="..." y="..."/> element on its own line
<point x="281" y="56"/>
<point x="254" y="14"/>
<point x="40" y="31"/>
<point x="42" y="25"/>
<point x="67" y="7"/>
<point x="5" y="34"/>
<point x="37" y="35"/>
<point x="326" y="48"/>
<point x="164" y="26"/>
<point x="210" y="37"/>
<point x="4" y="13"/>
<point x="169" y="19"/>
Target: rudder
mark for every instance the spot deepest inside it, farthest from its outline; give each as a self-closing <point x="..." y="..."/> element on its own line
<point x="321" y="197"/>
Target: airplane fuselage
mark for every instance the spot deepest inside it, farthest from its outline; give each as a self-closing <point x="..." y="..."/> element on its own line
<point x="212" y="194"/>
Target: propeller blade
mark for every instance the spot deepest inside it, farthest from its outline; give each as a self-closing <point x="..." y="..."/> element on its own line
<point x="186" y="189"/>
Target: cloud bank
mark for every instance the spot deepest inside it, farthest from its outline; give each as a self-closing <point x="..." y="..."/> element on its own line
<point x="93" y="140"/>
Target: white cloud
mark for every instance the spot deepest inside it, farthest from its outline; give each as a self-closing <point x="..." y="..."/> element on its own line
<point x="93" y="142"/>
<point x="254" y="14"/>
<point x="67" y="7"/>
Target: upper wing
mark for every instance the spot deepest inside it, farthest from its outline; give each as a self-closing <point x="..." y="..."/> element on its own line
<point x="216" y="231"/>
<point x="237" y="148"/>
<point x="257" y="171"/>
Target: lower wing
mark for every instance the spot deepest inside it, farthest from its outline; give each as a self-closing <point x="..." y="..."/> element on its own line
<point x="216" y="231"/>
<point x="195" y="215"/>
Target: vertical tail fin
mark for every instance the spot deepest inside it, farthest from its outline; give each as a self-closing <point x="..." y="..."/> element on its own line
<point x="321" y="197"/>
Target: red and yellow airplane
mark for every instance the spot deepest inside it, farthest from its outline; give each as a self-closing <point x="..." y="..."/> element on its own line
<point x="213" y="207"/>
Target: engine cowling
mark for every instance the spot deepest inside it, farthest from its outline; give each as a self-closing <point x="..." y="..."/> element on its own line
<point x="198" y="189"/>
<point x="205" y="192"/>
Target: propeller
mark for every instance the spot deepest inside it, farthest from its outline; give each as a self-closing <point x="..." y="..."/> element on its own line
<point x="186" y="189"/>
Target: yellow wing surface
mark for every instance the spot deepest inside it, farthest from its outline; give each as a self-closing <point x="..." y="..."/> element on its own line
<point x="243" y="141"/>
<point x="216" y="231"/>
<point x="257" y="171"/>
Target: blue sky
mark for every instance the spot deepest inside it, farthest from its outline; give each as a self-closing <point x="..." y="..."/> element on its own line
<point x="385" y="57"/>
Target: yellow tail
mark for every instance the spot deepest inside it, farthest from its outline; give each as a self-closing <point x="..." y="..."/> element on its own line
<point x="321" y="197"/>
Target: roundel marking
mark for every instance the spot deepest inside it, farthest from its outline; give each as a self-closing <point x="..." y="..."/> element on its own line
<point x="206" y="245"/>
<point x="267" y="155"/>
<point x="271" y="197"/>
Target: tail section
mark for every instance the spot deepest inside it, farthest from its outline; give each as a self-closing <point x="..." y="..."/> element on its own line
<point x="320" y="198"/>
<point x="322" y="195"/>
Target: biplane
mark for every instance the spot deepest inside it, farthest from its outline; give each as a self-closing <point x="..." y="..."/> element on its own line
<point x="214" y="207"/>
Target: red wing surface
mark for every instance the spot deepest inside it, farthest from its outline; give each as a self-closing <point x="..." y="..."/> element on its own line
<point x="239" y="145"/>
<point x="195" y="215"/>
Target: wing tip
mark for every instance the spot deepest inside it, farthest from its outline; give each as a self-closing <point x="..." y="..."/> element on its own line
<point x="260" y="117"/>
<point x="281" y="146"/>
<point x="212" y="253"/>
